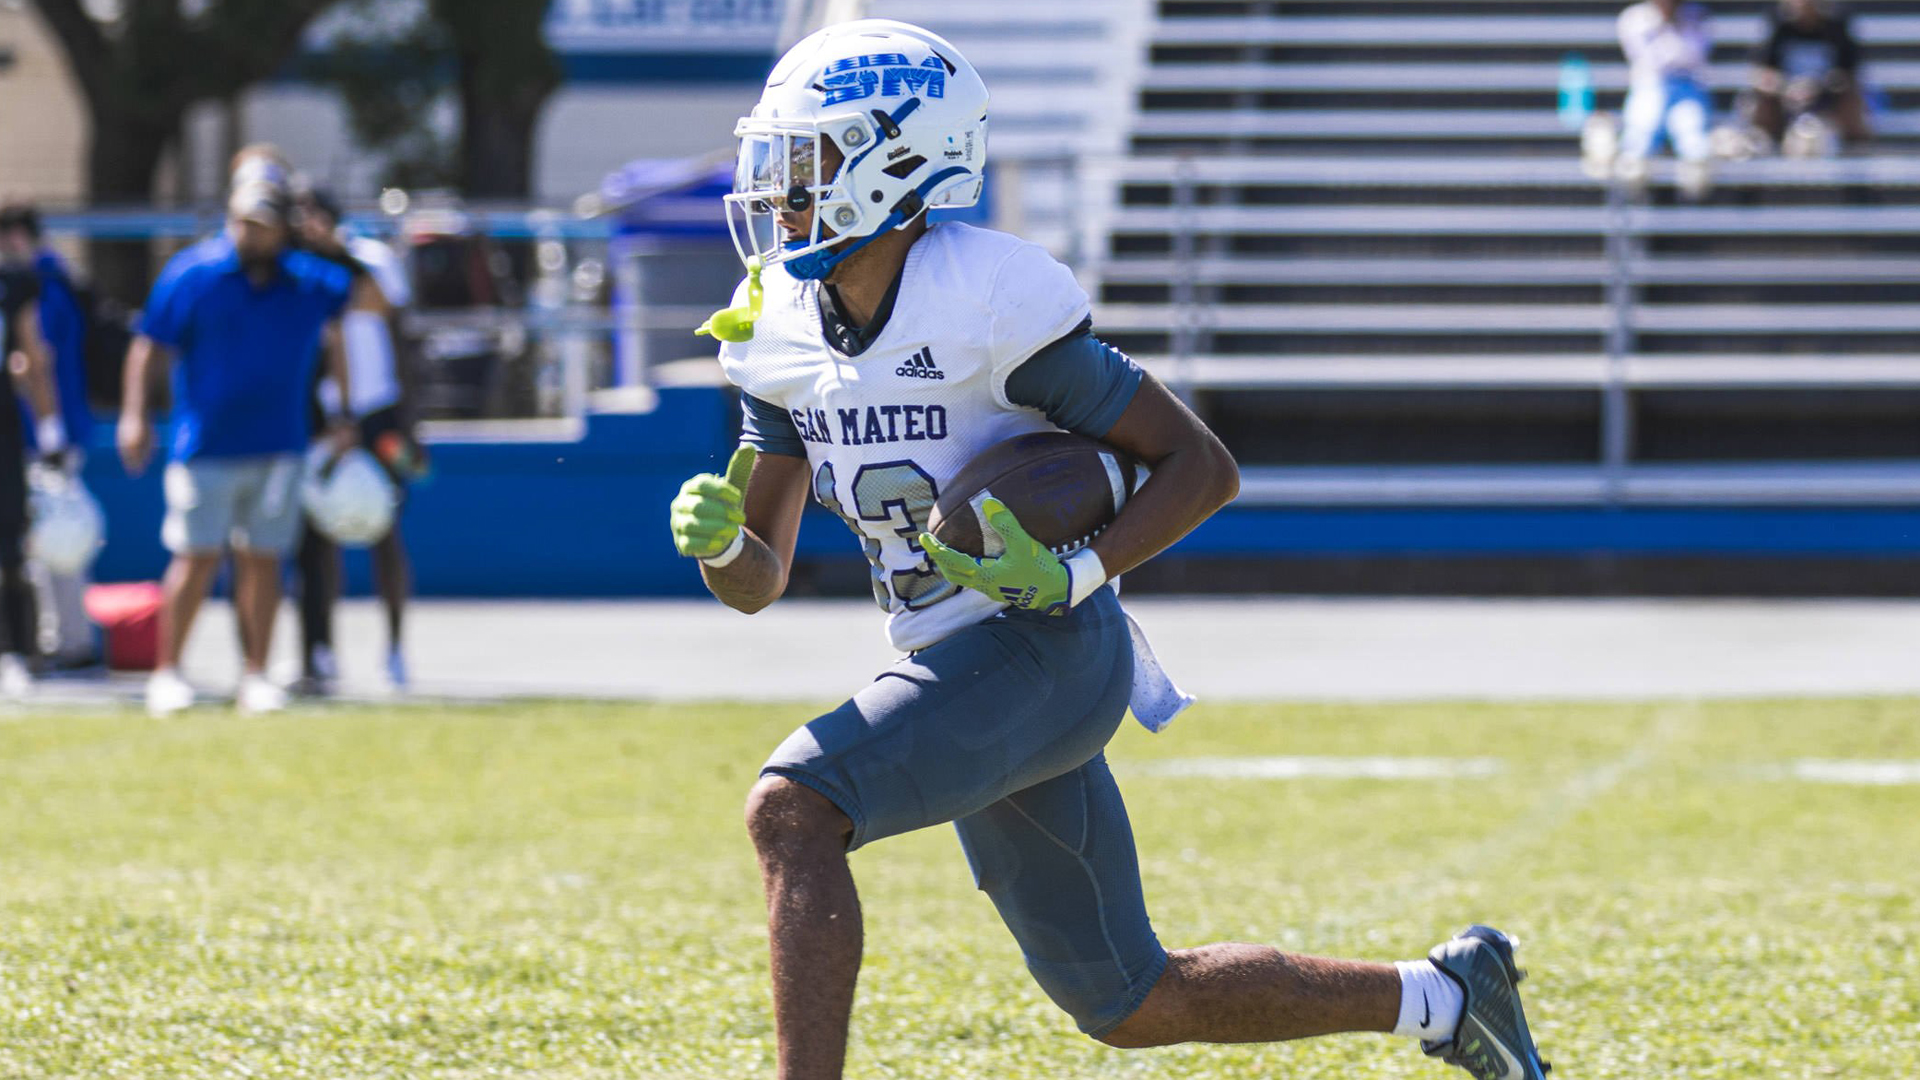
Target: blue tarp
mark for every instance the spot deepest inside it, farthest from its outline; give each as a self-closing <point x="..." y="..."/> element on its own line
<point x="669" y="198"/>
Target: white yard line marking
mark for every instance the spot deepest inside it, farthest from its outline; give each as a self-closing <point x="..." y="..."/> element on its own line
<point x="1870" y="772"/>
<point x="1315" y="767"/>
<point x="1558" y="805"/>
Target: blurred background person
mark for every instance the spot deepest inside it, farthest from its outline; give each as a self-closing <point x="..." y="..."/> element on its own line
<point x="1667" y="44"/>
<point x="260" y="163"/>
<point x="246" y="316"/>
<point x="66" y="637"/>
<point x="377" y="402"/>
<point x="27" y="360"/>
<point x="1807" y="68"/>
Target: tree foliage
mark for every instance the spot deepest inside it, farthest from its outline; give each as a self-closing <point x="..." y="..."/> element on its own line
<point x="490" y="56"/>
<point x="141" y="69"/>
<point x="393" y="81"/>
<point x="506" y="70"/>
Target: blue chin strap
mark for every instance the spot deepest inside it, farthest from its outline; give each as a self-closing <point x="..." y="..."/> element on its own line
<point x="816" y="265"/>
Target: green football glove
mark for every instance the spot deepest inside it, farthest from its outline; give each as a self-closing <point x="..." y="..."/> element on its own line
<point x="710" y="509"/>
<point x="1028" y="576"/>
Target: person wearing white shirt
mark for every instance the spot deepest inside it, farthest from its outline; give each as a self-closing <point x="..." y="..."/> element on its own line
<point x="1667" y="45"/>
<point x="381" y="289"/>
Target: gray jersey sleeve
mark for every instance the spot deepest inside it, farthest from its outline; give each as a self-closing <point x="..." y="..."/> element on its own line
<point x="769" y="428"/>
<point x="1082" y="383"/>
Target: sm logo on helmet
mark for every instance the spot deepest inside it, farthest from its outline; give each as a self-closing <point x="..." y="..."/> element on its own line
<point x="855" y="78"/>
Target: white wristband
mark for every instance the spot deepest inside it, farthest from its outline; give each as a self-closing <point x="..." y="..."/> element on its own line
<point x="50" y="434"/>
<point x="733" y="551"/>
<point x="1085" y="575"/>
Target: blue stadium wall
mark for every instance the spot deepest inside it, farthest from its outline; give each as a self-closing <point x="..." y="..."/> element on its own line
<point x="588" y="518"/>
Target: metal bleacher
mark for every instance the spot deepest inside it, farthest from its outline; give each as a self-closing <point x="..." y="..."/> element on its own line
<point x="1356" y="235"/>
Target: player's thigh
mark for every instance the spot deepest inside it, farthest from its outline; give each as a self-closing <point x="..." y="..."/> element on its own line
<point x="1688" y="118"/>
<point x="202" y="499"/>
<point x="1058" y="862"/>
<point x="268" y="519"/>
<point x="995" y="708"/>
<point x="1641" y="120"/>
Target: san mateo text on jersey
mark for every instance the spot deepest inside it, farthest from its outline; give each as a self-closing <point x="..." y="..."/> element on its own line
<point x="873" y="424"/>
<point x="886" y="428"/>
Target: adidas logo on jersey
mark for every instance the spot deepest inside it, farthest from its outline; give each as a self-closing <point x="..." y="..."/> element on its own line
<point x="920" y="366"/>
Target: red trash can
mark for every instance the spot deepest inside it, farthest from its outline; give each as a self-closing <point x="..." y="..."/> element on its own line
<point x="130" y="615"/>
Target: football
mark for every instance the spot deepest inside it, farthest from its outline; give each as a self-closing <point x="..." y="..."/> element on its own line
<point x="1064" y="488"/>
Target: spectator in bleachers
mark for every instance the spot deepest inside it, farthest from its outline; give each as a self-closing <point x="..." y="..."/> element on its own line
<point x="1667" y="44"/>
<point x="1808" y="66"/>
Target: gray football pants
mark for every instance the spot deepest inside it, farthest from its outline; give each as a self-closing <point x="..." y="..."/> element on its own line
<point x="1001" y="729"/>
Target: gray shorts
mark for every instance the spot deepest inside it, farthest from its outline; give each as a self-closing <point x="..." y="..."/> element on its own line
<point x="1001" y="729"/>
<point x="251" y="502"/>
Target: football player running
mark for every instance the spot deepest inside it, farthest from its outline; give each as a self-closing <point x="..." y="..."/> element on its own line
<point x="877" y="354"/>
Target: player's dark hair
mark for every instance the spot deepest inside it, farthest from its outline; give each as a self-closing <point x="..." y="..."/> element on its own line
<point x="324" y="201"/>
<point x="20" y="216"/>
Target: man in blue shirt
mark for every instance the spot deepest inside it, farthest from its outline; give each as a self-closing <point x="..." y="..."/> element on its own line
<point x="246" y="317"/>
<point x="66" y="633"/>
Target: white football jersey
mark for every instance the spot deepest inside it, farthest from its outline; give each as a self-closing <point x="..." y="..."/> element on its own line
<point x="885" y="431"/>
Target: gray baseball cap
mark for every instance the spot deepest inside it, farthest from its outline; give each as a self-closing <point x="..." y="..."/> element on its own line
<point x="268" y="204"/>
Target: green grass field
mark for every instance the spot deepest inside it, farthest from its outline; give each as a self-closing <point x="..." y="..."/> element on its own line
<point x="565" y="890"/>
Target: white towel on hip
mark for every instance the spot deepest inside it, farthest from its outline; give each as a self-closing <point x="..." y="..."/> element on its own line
<point x="1155" y="700"/>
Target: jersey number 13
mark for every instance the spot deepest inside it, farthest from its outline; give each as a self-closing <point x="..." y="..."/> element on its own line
<point x="891" y="492"/>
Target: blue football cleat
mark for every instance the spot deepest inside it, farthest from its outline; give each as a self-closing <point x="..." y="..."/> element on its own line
<point x="1492" y="1041"/>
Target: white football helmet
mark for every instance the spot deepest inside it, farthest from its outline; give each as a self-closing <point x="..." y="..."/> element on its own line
<point x="350" y="498"/>
<point x="68" y="528"/>
<point x="908" y="116"/>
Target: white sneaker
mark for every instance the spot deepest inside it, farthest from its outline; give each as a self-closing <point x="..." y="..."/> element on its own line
<point x="1599" y="145"/>
<point x="15" y="680"/>
<point x="1694" y="180"/>
<point x="1635" y="174"/>
<point x="259" y="695"/>
<point x="397" y="670"/>
<point x="167" y="693"/>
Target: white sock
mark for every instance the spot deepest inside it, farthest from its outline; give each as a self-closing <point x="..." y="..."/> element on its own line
<point x="1430" y="1001"/>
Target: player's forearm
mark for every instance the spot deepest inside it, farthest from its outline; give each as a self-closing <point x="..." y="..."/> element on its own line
<point x="29" y="367"/>
<point x="32" y="365"/>
<point x="336" y="349"/>
<point x="751" y="580"/>
<point x="1186" y="488"/>
<point x="40" y="385"/>
<point x="133" y="383"/>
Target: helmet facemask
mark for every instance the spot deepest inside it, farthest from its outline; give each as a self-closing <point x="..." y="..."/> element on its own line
<point x="778" y="172"/>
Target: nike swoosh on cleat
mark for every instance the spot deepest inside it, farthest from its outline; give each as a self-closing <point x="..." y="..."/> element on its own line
<point x="1424" y="1004"/>
<point x="1512" y="1065"/>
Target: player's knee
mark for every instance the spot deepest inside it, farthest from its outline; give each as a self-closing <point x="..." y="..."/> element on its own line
<point x="782" y="813"/>
<point x="1153" y="1022"/>
<point x="1106" y="1008"/>
<point x="1138" y="1031"/>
